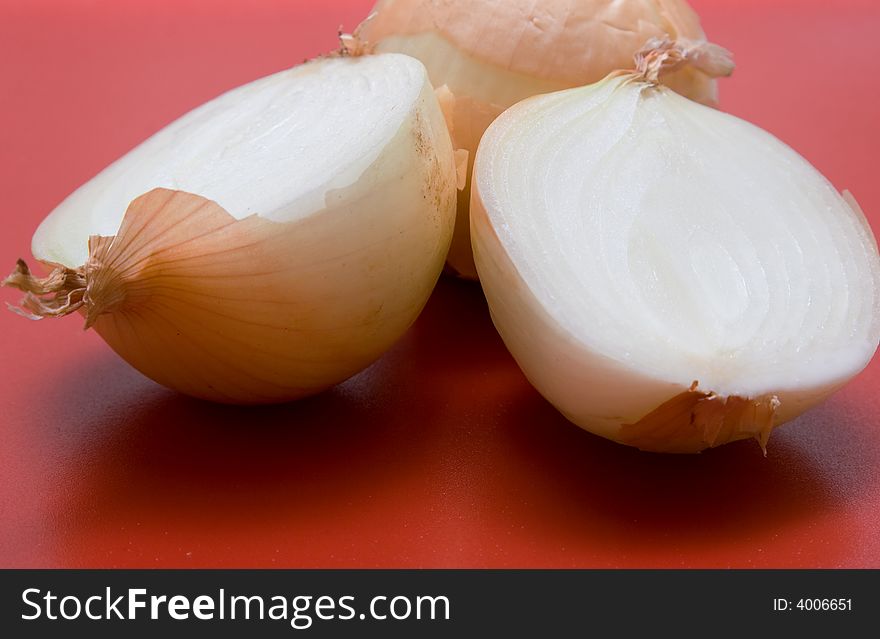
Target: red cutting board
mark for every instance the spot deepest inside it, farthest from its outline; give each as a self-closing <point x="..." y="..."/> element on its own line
<point x="441" y="454"/>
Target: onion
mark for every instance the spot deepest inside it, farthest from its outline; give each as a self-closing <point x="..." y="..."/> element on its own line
<point x="669" y="276"/>
<point x="493" y="53"/>
<point x="270" y="243"/>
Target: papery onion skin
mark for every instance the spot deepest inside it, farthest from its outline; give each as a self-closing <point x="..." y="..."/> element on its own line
<point x="494" y="53"/>
<point x="244" y="309"/>
<point x="612" y="393"/>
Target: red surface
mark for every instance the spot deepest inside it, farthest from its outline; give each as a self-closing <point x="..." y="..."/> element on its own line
<point x="441" y="454"/>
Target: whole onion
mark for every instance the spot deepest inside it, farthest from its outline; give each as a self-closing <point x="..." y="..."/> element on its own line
<point x="493" y="53"/>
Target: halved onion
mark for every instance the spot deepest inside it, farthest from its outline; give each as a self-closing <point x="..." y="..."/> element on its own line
<point x="277" y="239"/>
<point x="667" y="275"/>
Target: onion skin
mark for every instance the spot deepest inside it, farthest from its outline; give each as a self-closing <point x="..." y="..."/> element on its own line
<point x="252" y="310"/>
<point x="508" y="50"/>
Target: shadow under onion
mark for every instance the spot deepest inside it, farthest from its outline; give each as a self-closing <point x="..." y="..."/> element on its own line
<point x="440" y="454"/>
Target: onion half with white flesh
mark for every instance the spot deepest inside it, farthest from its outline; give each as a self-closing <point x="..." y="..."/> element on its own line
<point x="493" y="53"/>
<point x="667" y="275"/>
<point x="269" y="244"/>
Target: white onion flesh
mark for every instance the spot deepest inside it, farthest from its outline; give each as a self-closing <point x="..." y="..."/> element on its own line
<point x="631" y="242"/>
<point x="293" y="229"/>
<point x="274" y="147"/>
